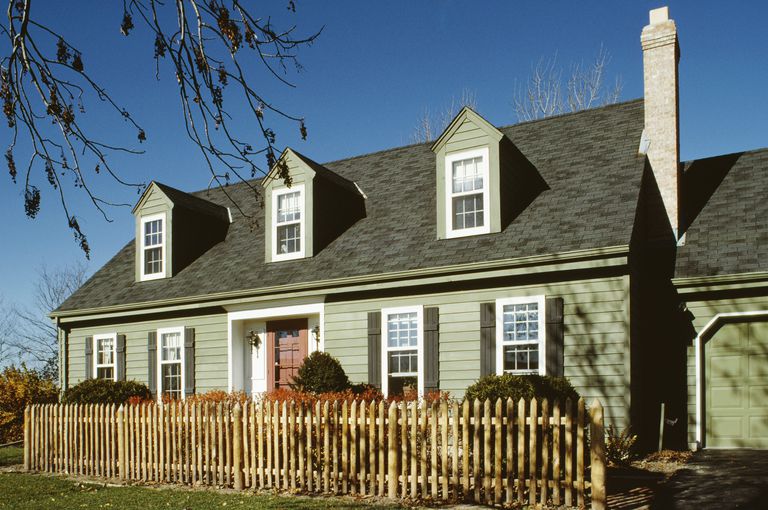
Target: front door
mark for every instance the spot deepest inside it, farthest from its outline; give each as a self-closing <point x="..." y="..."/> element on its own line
<point x="286" y="350"/>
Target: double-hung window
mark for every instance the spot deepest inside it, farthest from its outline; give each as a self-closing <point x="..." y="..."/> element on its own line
<point x="520" y="337"/>
<point x="171" y="362"/>
<point x="402" y="346"/>
<point x="153" y="247"/>
<point x="467" y="193"/>
<point x="104" y="359"/>
<point x="288" y="223"/>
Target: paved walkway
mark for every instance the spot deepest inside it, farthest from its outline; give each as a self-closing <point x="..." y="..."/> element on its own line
<point x="718" y="479"/>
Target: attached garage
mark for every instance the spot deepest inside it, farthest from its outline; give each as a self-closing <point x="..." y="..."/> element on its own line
<point x="735" y="380"/>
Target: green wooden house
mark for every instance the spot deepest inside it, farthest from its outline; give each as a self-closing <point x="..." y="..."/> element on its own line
<point x="579" y="245"/>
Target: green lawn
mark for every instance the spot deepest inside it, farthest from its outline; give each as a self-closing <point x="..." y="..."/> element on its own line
<point x="11" y="455"/>
<point x="26" y="491"/>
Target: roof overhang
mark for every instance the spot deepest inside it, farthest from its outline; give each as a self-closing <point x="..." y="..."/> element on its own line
<point x="600" y="258"/>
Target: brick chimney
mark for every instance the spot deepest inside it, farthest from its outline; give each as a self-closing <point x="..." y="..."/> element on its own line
<point x="661" y="137"/>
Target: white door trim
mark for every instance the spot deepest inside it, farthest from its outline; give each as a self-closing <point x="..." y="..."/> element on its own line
<point x="698" y="344"/>
<point x="280" y="312"/>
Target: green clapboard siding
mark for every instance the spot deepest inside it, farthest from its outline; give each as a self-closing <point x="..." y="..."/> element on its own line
<point x="210" y="349"/>
<point x="596" y="336"/>
<point x="704" y="311"/>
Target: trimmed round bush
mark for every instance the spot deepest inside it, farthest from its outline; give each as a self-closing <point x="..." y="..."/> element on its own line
<point x="321" y="373"/>
<point x="105" y="391"/>
<point x="506" y="386"/>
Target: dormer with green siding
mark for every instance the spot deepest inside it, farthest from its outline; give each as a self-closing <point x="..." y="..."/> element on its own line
<point x="306" y="207"/>
<point x="483" y="180"/>
<point x="173" y="229"/>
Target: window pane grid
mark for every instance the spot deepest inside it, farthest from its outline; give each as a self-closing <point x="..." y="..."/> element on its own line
<point x="153" y="233"/>
<point x="403" y="363"/>
<point x="288" y="207"/>
<point x="521" y="322"/>
<point x="289" y="238"/>
<point x="468" y="212"/>
<point x="521" y="358"/>
<point x="171" y="380"/>
<point x="402" y="330"/>
<point x="467" y="175"/>
<point x="170" y="347"/>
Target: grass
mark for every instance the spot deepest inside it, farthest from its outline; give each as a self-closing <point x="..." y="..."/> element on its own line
<point x="11" y="455"/>
<point x="29" y="491"/>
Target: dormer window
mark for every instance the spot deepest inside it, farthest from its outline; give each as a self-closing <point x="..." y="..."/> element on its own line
<point x="153" y="247"/>
<point x="467" y="193"/>
<point x="288" y="223"/>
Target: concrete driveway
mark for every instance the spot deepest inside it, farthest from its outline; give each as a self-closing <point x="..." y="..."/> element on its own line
<point x="717" y="479"/>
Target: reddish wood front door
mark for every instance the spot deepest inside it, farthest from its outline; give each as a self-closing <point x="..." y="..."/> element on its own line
<point x="286" y="350"/>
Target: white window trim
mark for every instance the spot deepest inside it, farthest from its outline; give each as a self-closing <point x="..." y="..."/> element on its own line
<point x="160" y="362"/>
<point x="450" y="232"/>
<point x="95" y="348"/>
<point x="419" y="345"/>
<point x="500" y="343"/>
<point x="276" y="257"/>
<point x="163" y="251"/>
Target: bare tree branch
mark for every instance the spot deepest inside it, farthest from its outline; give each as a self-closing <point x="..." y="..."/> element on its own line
<point x="206" y="44"/>
<point x="545" y="94"/>
<point x="30" y="333"/>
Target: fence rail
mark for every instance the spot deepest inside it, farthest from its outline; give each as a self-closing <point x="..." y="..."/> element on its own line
<point x="483" y="452"/>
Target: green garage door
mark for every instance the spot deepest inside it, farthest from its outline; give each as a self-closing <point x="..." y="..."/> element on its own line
<point x="736" y="378"/>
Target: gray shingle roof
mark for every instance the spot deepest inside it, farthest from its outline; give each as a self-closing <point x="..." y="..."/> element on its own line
<point x="727" y="197"/>
<point x="589" y="161"/>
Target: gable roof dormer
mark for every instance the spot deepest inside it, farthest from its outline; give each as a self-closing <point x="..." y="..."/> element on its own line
<point x="173" y="229"/>
<point x="307" y="206"/>
<point x="480" y="176"/>
<point x="468" y="181"/>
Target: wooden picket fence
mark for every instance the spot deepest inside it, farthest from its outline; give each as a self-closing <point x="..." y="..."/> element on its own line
<point x="525" y="452"/>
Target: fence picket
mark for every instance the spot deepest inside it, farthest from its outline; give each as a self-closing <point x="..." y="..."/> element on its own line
<point x="414" y="450"/>
<point x="476" y="451"/>
<point x="533" y="452"/>
<point x="544" y="451"/>
<point x="363" y="439"/>
<point x="568" y="493"/>
<point x="556" y="454"/>
<point x="521" y="412"/>
<point x="580" y="454"/>
<point x="455" y="448"/>
<point x="352" y="449"/>
<point x="326" y="449"/>
<point x="392" y="451"/>
<point x="465" y="448"/>
<point x="404" y="446"/>
<point x="372" y="445"/>
<point x="497" y="451"/>
<point x="444" y="447"/>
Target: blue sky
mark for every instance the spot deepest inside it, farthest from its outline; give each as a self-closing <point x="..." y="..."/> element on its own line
<point x="370" y="75"/>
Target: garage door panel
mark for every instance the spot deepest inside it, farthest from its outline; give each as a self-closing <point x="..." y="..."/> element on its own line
<point x="728" y="427"/>
<point x="736" y="379"/>
<point x="726" y="398"/>
<point x="725" y="367"/>
<point x="758" y="365"/>
<point x="758" y="427"/>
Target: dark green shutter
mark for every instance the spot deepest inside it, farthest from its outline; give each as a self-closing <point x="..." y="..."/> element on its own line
<point x="374" y="349"/>
<point x="152" y="362"/>
<point x="89" y="357"/>
<point x="487" y="339"/>
<point x="554" y="336"/>
<point x="120" y="358"/>
<point x="431" y="349"/>
<point x="189" y="361"/>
